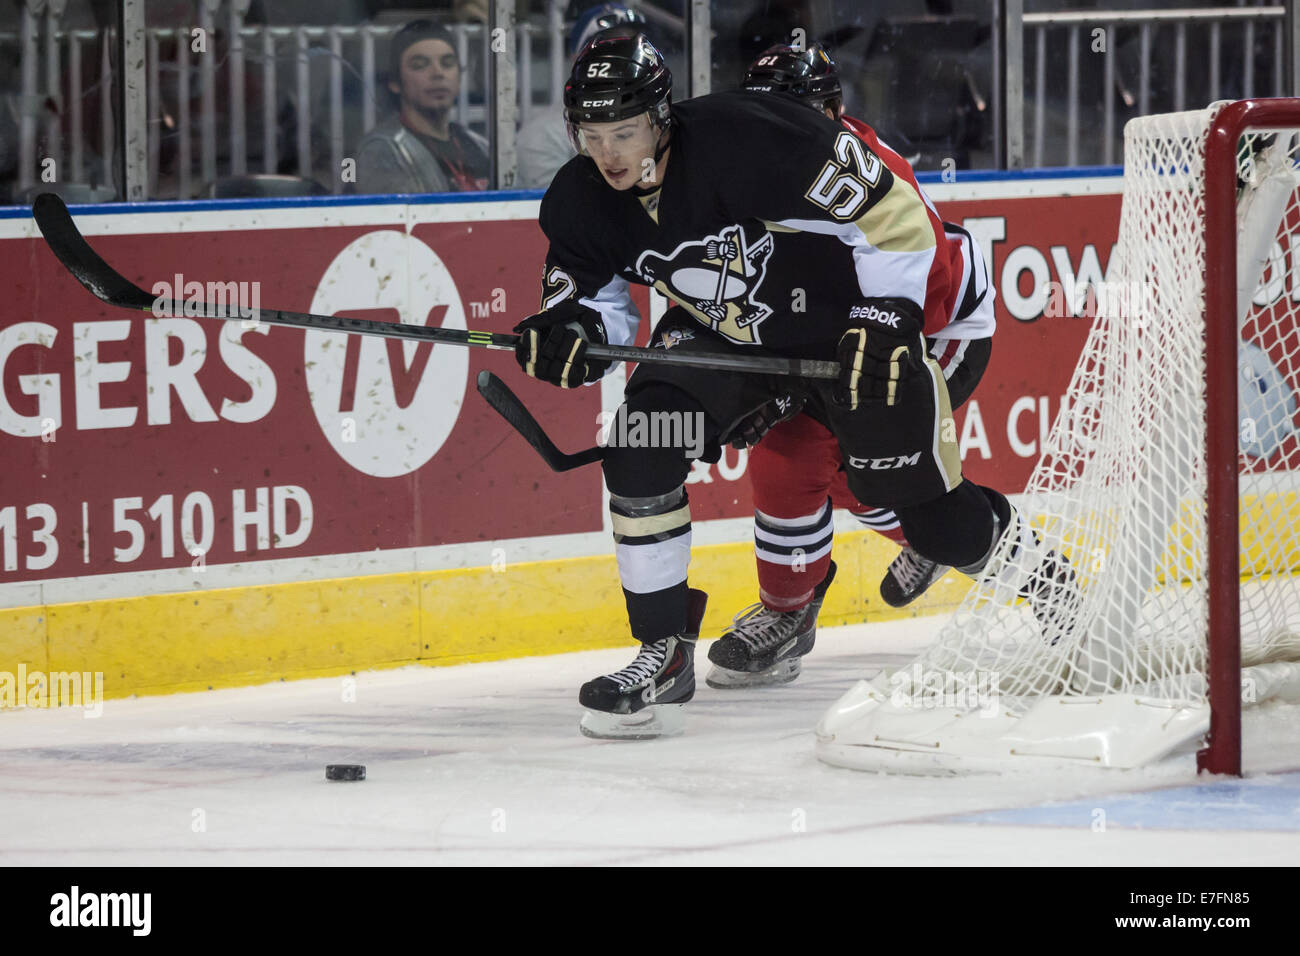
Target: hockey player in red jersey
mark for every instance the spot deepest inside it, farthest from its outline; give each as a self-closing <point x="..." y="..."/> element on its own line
<point x="774" y="228"/>
<point x="796" y="471"/>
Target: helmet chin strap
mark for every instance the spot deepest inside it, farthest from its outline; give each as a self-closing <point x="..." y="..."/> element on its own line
<point x="665" y="140"/>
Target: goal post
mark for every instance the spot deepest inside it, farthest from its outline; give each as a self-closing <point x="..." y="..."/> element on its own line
<point x="1222" y="750"/>
<point x="1170" y="485"/>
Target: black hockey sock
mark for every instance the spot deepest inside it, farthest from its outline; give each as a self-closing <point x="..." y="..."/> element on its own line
<point x="1002" y="514"/>
<point x="956" y="529"/>
<point x="652" y="540"/>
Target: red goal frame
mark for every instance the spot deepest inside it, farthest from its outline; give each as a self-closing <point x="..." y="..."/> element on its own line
<point x="1222" y="751"/>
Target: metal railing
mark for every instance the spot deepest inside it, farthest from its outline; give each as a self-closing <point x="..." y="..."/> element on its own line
<point x="1084" y="29"/>
<point x="297" y="98"/>
<point x="269" y="52"/>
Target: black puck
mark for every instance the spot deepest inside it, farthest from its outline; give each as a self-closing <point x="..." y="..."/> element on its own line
<point x="345" y="771"/>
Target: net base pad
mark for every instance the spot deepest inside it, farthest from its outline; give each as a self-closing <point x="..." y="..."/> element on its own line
<point x="867" y="729"/>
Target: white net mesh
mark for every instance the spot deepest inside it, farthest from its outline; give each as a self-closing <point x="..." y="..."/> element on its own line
<point x="1120" y="489"/>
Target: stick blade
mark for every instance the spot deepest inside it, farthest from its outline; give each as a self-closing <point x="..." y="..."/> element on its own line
<point x="509" y="407"/>
<point x="71" y="249"/>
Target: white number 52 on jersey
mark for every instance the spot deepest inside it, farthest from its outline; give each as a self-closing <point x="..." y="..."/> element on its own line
<point x="842" y="187"/>
<point x="557" y="285"/>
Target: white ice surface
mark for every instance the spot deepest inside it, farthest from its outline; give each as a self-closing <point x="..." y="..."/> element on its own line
<point x="483" y="764"/>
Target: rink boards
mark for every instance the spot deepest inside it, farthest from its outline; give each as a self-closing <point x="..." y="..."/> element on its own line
<point x="191" y="504"/>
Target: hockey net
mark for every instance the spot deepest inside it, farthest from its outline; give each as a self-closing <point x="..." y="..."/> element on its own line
<point x="1111" y="668"/>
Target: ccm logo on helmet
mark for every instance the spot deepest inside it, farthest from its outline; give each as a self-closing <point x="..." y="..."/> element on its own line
<point x="592" y="104"/>
<point x="872" y="314"/>
<point x="885" y="464"/>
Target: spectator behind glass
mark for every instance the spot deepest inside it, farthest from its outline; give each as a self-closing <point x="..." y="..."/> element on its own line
<point x="421" y="150"/>
<point x="543" y="146"/>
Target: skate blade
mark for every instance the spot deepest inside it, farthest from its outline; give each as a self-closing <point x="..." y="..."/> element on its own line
<point x="657" y="720"/>
<point x="782" y="672"/>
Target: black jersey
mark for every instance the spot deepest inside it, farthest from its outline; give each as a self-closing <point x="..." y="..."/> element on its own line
<point x="771" y="224"/>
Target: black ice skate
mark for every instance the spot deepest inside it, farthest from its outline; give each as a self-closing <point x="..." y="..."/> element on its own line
<point x="645" y="699"/>
<point x="909" y="576"/>
<point x="765" y="646"/>
<point x="1050" y="587"/>
<point x="1053" y="596"/>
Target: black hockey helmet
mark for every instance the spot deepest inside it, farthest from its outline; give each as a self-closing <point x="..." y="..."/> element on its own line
<point x="616" y="77"/>
<point x="809" y="74"/>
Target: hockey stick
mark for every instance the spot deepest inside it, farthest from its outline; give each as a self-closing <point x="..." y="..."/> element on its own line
<point x="105" y="283"/>
<point x="512" y="410"/>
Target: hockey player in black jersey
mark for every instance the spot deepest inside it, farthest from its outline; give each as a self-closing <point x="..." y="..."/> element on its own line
<point x="797" y="475"/>
<point x="772" y="227"/>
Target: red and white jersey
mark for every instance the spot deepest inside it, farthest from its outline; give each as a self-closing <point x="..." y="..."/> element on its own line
<point x="958" y="297"/>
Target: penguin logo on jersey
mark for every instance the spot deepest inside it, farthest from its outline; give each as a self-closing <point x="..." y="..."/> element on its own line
<point x="673" y="337"/>
<point x="715" y="279"/>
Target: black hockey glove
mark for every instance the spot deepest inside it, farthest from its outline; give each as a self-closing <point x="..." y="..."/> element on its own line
<point x="553" y="344"/>
<point x="750" y="429"/>
<point x="884" y="347"/>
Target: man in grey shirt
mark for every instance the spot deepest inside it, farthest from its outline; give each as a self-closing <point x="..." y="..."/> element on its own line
<point x="421" y="150"/>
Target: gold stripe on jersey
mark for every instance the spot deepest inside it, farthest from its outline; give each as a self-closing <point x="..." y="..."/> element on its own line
<point x="946" y="451"/>
<point x="899" y="221"/>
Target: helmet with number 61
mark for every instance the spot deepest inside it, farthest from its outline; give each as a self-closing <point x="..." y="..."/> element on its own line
<point x="811" y="75"/>
<point x="617" y="107"/>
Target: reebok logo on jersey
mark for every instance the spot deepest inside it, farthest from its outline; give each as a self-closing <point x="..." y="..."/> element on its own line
<point x="885" y="464"/>
<point x="870" y="313"/>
